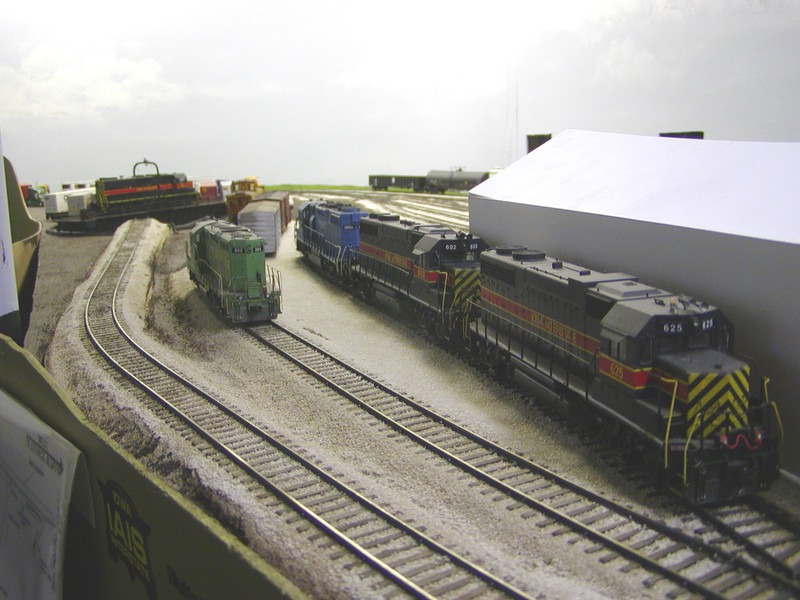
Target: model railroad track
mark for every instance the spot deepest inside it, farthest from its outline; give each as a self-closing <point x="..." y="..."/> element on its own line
<point x="397" y="553"/>
<point x="666" y="552"/>
<point x="451" y="211"/>
<point x="428" y="212"/>
<point x="765" y="532"/>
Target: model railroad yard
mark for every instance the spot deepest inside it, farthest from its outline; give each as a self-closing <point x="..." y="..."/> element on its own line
<point x="365" y="461"/>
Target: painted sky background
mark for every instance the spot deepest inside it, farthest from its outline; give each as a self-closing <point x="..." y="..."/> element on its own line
<point x="311" y="91"/>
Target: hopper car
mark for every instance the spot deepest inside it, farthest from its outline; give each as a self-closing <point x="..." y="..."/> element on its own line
<point x="652" y="372"/>
<point x="227" y="262"/>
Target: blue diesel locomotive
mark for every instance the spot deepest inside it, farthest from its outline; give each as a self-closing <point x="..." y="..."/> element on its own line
<point x="429" y="270"/>
<point x="327" y="233"/>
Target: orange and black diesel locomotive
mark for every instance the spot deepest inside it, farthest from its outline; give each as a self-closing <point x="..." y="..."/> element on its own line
<point x="431" y="270"/>
<point x="652" y="372"/>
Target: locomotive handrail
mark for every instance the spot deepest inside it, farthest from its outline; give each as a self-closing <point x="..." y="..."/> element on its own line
<point x="542" y="338"/>
<point x="158" y="178"/>
<point x="674" y="383"/>
<point x="338" y="261"/>
<point x="323" y="245"/>
<point x="689" y="435"/>
<point x="214" y="271"/>
<point x="589" y="365"/>
<point x="778" y="418"/>
<point x="445" y="325"/>
<point x="379" y="271"/>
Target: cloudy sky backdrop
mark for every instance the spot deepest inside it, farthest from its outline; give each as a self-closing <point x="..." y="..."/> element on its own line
<point x="327" y="91"/>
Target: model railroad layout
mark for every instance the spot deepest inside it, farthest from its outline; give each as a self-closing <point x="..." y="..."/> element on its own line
<point x="715" y="560"/>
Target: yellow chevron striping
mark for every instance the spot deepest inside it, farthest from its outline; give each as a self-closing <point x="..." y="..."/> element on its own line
<point x="714" y="425"/>
<point x="712" y="393"/>
<point x="466" y="286"/>
<point x="699" y="382"/>
<point x="699" y="396"/>
<point x="742" y="380"/>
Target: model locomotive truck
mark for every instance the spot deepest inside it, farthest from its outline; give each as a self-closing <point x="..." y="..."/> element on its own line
<point x="227" y="262"/>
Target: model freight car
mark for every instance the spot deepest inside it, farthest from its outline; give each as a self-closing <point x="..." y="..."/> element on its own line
<point x="384" y="182"/>
<point x="436" y="182"/>
<point x="455" y="179"/>
<point x="227" y="262"/>
<point x="284" y="200"/>
<point x="264" y="219"/>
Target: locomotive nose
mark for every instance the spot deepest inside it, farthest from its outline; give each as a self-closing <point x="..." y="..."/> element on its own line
<point x="717" y="389"/>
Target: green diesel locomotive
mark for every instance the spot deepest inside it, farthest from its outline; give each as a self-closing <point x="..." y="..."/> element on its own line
<point x="227" y="262"/>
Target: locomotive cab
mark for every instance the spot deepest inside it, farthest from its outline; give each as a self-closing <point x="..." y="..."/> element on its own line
<point x="672" y="358"/>
<point x="444" y="263"/>
<point x="448" y="252"/>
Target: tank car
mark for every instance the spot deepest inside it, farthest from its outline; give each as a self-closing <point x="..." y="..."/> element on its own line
<point x="431" y="270"/>
<point x="327" y="233"/>
<point x="227" y="262"/>
<point x="652" y="371"/>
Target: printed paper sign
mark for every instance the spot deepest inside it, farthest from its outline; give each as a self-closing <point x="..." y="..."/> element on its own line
<point x="37" y="468"/>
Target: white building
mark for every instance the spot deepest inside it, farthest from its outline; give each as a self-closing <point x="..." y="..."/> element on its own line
<point x="719" y="221"/>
